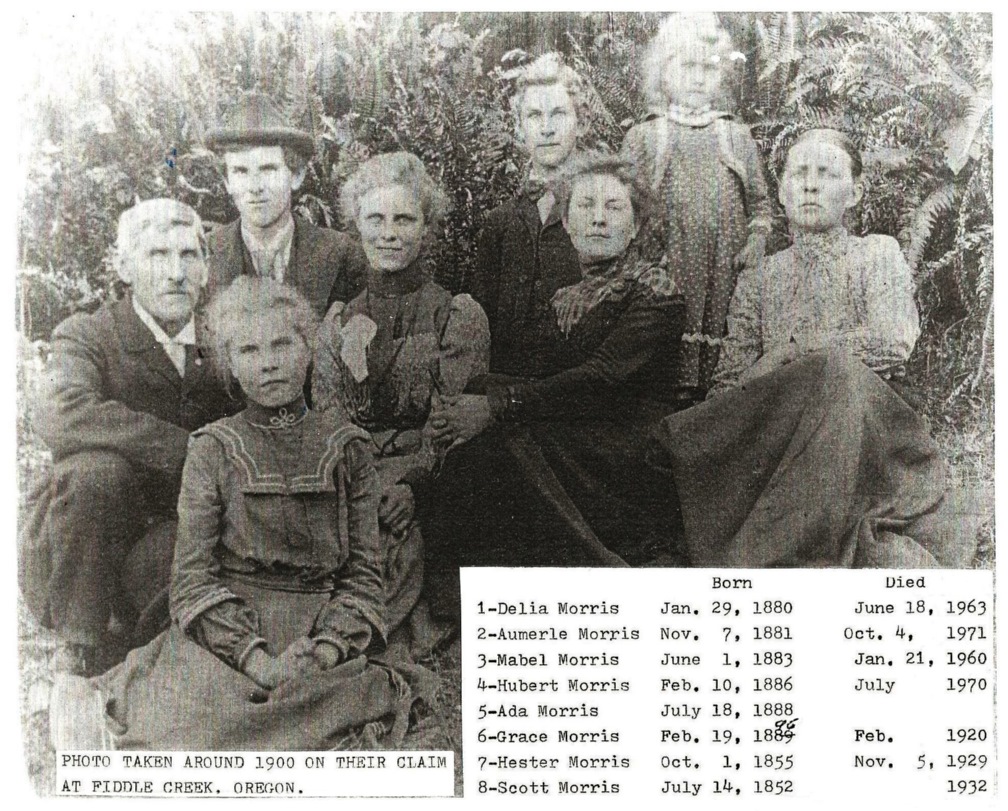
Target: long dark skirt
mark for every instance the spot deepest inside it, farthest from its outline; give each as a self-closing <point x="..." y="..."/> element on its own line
<point x="819" y="463"/>
<point x="546" y="494"/>
<point x="174" y="694"/>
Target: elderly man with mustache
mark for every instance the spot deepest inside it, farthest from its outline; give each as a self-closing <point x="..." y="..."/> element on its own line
<point x="124" y="388"/>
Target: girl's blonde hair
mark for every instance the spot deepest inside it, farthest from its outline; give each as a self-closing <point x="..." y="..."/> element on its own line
<point x="245" y="300"/>
<point x="699" y="26"/>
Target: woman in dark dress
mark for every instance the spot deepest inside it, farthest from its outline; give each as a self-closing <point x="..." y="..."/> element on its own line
<point x="530" y="456"/>
<point x="386" y="356"/>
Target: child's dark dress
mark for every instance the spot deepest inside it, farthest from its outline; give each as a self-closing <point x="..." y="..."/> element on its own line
<point x="278" y="539"/>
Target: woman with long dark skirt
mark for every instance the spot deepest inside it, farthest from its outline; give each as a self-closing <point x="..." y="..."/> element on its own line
<point x="804" y="455"/>
<point x="536" y="473"/>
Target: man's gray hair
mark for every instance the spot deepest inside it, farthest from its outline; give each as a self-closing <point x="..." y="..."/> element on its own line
<point x="162" y="213"/>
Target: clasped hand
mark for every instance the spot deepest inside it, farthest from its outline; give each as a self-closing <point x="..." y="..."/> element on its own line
<point x="395" y="510"/>
<point x="460" y="418"/>
<point x="772" y="361"/>
<point x="302" y="656"/>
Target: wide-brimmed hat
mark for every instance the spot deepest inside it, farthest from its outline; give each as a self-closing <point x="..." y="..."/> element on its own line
<point x="257" y="121"/>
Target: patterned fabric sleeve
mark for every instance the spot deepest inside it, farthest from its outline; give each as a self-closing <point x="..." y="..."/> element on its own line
<point x="203" y="607"/>
<point x="356" y="611"/>
<point x="892" y="324"/>
<point x="332" y="385"/>
<point x="743" y="345"/>
<point x="327" y="374"/>
<point x="463" y="355"/>
<point x="883" y="309"/>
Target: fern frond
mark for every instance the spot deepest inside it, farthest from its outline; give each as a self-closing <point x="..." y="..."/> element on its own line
<point x="937" y="204"/>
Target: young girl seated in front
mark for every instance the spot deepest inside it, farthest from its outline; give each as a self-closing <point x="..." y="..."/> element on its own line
<point x="705" y="169"/>
<point x="276" y="588"/>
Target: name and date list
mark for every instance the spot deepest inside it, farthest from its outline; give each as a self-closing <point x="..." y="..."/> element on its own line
<point x="708" y="684"/>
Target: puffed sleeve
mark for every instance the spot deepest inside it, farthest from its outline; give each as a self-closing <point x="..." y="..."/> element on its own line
<point x="203" y="607"/>
<point x="891" y="322"/>
<point x="463" y="354"/>
<point x="327" y="375"/>
<point x="356" y="611"/>
<point x="333" y="383"/>
<point x="465" y="345"/>
<point x="743" y="345"/>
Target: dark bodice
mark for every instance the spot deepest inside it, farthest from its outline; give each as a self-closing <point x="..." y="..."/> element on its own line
<point x="613" y="364"/>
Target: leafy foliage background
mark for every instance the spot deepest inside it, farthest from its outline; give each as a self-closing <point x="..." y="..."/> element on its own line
<point x="120" y="115"/>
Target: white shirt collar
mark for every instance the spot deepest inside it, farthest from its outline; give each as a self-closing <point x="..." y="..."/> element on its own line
<point x="275" y="250"/>
<point x="186" y="337"/>
<point x="173" y="347"/>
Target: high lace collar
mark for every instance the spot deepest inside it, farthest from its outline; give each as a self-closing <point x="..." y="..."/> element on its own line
<point x="286" y="416"/>
<point x="399" y="283"/>
<point x="816" y="248"/>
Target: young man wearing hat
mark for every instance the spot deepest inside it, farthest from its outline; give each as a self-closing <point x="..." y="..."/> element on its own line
<point x="123" y="389"/>
<point x="265" y="159"/>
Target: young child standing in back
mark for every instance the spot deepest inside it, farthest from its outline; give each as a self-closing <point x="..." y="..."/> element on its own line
<point x="706" y="170"/>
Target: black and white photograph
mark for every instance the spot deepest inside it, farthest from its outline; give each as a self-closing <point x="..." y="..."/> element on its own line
<point x="315" y="311"/>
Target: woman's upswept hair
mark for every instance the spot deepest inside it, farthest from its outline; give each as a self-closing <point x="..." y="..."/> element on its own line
<point x="395" y="169"/>
<point x="597" y="163"/>
<point x="691" y="27"/>
<point x="245" y="300"/>
<point x="549" y="69"/>
<point x="831" y="136"/>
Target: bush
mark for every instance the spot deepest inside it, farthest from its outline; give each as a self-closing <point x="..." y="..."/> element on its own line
<point x="914" y="89"/>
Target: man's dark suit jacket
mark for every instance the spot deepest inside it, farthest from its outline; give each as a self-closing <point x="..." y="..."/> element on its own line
<point x="110" y="386"/>
<point x="325" y="265"/>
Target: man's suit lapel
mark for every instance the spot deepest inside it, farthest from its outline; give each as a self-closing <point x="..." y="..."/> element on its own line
<point x="303" y="250"/>
<point x="231" y="258"/>
<point x="196" y="368"/>
<point x="138" y="341"/>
